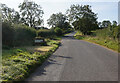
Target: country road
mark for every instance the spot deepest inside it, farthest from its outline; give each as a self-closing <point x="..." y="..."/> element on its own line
<point x="78" y="60"/>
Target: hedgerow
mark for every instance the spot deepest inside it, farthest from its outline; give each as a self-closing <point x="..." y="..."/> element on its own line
<point x="17" y="34"/>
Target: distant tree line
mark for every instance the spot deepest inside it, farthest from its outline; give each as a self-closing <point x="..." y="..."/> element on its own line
<point x="106" y="23"/>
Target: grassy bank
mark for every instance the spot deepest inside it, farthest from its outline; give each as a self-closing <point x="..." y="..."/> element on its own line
<point x="18" y="63"/>
<point x="107" y="42"/>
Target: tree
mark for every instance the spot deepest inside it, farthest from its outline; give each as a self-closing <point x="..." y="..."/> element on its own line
<point x="85" y="26"/>
<point x="106" y="23"/>
<point x="31" y="13"/>
<point x="58" y="31"/>
<point x="100" y="24"/>
<point x="74" y="13"/>
<point x="78" y="11"/>
<point x="9" y="14"/>
<point x="82" y="18"/>
<point x="114" y="23"/>
<point x="57" y="20"/>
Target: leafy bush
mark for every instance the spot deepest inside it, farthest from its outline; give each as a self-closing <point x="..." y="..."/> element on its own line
<point x="17" y="34"/>
<point x="107" y="37"/>
<point x="58" y="31"/>
<point x="110" y="32"/>
<point x="45" y="33"/>
<point x="67" y="31"/>
<point x="24" y="35"/>
<point x="7" y="34"/>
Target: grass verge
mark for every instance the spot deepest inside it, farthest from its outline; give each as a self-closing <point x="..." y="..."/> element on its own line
<point x="18" y="63"/>
<point x="107" y="42"/>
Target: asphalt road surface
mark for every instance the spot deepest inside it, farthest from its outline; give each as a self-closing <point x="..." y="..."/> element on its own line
<point x="78" y="60"/>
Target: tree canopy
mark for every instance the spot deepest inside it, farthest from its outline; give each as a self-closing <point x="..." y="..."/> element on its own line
<point x="57" y="19"/>
<point x="106" y="23"/>
<point x="31" y="13"/>
<point x="82" y="18"/>
<point x="9" y="14"/>
<point x="114" y="23"/>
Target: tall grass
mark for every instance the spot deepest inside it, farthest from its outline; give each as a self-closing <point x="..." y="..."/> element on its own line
<point x="107" y="37"/>
<point x="110" y="32"/>
<point x="18" y="63"/>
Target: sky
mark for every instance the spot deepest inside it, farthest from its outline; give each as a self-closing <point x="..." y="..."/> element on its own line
<point x="106" y="9"/>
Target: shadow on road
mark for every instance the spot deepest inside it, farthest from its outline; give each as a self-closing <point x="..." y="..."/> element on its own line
<point x="63" y="56"/>
<point x="68" y="37"/>
<point x="42" y="69"/>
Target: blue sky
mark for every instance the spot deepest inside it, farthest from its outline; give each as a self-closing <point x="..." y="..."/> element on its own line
<point x="106" y="9"/>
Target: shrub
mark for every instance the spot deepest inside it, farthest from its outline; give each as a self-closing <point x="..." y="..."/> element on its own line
<point x="45" y="33"/>
<point x="111" y="32"/>
<point x="24" y="35"/>
<point x="7" y="34"/>
<point x="17" y="34"/>
<point x="58" y="31"/>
